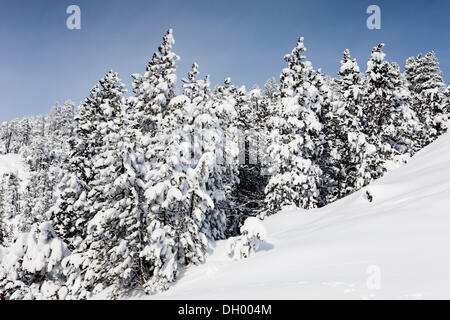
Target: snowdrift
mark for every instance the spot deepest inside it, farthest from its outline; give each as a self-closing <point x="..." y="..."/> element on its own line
<point x="395" y="247"/>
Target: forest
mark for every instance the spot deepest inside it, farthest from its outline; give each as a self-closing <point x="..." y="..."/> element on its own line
<point x="124" y="193"/>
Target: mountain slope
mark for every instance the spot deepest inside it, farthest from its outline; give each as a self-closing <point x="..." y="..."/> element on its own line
<point x="395" y="247"/>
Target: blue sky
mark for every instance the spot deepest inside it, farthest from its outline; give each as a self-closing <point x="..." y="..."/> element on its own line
<point x="42" y="62"/>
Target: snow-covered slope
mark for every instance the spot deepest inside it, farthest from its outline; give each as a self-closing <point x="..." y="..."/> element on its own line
<point x="395" y="247"/>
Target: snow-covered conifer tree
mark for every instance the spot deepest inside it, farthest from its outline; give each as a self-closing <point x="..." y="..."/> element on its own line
<point x="71" y="211"/>
<point x="31" y="267"/>
<point x="389" y="122"/>
<point x="4" y="137"/>
<point x="178" y="199"/>
<point x="272" y="88"/>
<point x="350" y="140"/>
<point x="327" y="156"/>
<point x="219" y="135"/>
<point x="60" y="127"/>
<point x="252" y="158"/>
<point x="111" y="249"/>
<point x="37" y="197"/>
<point x="11" y="137"/>
<point x="427" y="99"/>
<point x="294" y="140"/>
<point x="11" y="196"/>
<point x="156" y="87"/>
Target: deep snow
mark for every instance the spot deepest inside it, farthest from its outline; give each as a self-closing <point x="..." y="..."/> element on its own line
<point x="395" y="247"/>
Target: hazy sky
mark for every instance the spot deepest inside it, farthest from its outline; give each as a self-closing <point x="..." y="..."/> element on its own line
<point x="42" y="62"/>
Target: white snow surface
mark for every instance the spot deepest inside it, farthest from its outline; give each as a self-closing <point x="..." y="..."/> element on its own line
<point x="400" y="241"/>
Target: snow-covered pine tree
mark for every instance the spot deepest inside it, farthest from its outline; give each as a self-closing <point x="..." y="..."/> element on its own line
<point x="272" y="89"/>
<point x="71" y="211"/>
<point x="178" y="200"/>
<point x="42" y="158"/>
<point x="38" y="141"/>
<point x="25" y="132"/>
<point x="374" y="102"/>
<point x="252" y="158"/>
<point x="38" y="154"/>
<point x="408" y="124"/>
<point x="321" y="100"/>
<point x="211" y="118"/>
<point x="427" y="98"/>
<point x="154" y="90"/>
<point x="174" y="236"/>
<point x="15" y="135"/>
<point x="11" y="196"/>
<point x="37" y="198"/>
<point x="193" y="88"/>
<point x="350" y="140"/>
<point x="145" y="112"/>
<point x="10" y="207"/>
<point x="252" y="117"/>
<point x="67" y="123"/>
<point x="389" y="123"/>
<point x="31" y="267"/>
<point x="244" y="123"/>
<point x="60" y="128"/>
<point x="295" y="137"/>
<point x="212" y="126"/>
<point x="272" y="108"/>
<point x="220" y="136"/>
<point x="10" y="137"/>
<point x="4" y="137"/>
<point x="113" y="243"/>
<point x="260" y="115"/>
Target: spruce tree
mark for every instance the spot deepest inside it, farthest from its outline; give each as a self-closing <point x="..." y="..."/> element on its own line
<point x="4" y="137"/>
<point x="113" y="241"/>
<point x="11" y="137"/>
<point x="10" y="207"/>
<point x="71" y="211"/>
<point x="389" y="123"/>
<point x="327" y="142"/>
<point x="252" y="111"/>
<point x="295" y="138"/>
<point x="178" y="200"/>
<point x="37" y="197"/>
<point x="272" y="88"/>
<point x="427" y="99"/>
<point x="351" y="141"/>
<point x="156" y="87"/>
<point x="11" y="196"/>
<point x="220" y="136"/>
